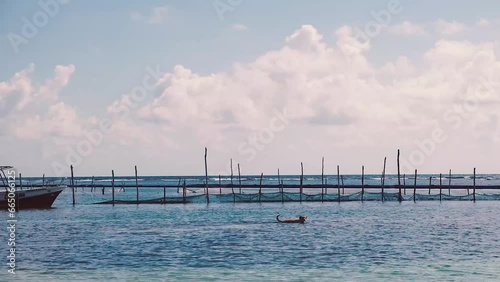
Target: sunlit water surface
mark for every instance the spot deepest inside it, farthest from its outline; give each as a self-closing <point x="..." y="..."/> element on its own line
<point x="351" y="241"/>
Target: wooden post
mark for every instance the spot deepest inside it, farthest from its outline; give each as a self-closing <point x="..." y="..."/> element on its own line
<point x="326" y="186"/>
<point x="206" y="176"/>
<point x="430" y="184"/>
<point x="220" y="186"/>
<point x="362" y="182"/>
<point x="415" y="188"/>
<point x="301" y="179"/>
<point x="322" y="177"/>
<point x="282" y="194"/>
<point x="231" y="179"/>
<point x="72" y="184"/>
<point x="400" y="197"/>
<point x="383" y="178"/>
<point x="404" y="183"/>
<point x="43" y="180"/>
<point x="474" y="189"/>
<point x="184" y="193"/>
<point x="239" y="176"/>
<point x="136" y="186"/>
<point x="113" y="186"/>
<point x="260" y="186"/>
<point x="21" y="181"/>
<point x="449" y="183"/>
<point x="322" y="172"/>
<point x="279" y="179"/>
<point x="322" y="193"/>
<point x="234" y="195"/>
<point x="338" y="183"/>
<point x="165" y="194"/>
<point x="440" y="185"/>
<point x="92" y="184"/>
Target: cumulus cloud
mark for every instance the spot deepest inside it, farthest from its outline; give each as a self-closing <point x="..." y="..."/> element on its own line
<point x="323" y="86"/>
<point x="61" y="120"/>
<point x="305" y="77"/>
<point x="158" y="15"/>
<point x="331" y="92"/>
<point x="444" y="27"/>
<point x="240" y="27"/>
<point x="50" y="90"/>
<point x="483" y="23"/>
<point x="407" y="28"/>
<point x="32" y="111"/>
<point x="21" y="92"/>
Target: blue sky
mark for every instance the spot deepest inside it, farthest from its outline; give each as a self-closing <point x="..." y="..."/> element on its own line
<point x="110" y="49"/>
<point x="110" y="43"/>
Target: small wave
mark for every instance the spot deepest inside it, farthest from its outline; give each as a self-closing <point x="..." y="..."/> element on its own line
<point x="291" y="179"/>
<point x="116" y="180"/>
<point x="223" y="179"/>
<point x="170" y="180"/>
<point x="84" y="180"/>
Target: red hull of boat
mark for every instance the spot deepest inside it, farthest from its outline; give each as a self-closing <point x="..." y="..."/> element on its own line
<point x="42" y="201"/>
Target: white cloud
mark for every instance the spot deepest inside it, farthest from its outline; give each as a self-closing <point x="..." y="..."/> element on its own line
<point x="444" y="27"/>
<point x="240" y="27"/>
<point x="402" y="67"/>
<point x="321" y="86"/>
<point x="11" y="92"/>
<point x="21" y="92"/>
<point x="31" y="111"/>
<point x="483" y="23"/>
<point x="159" y="15"/>
<point x="61" y="120"/>
<point x="50" y="90"/>
<point x="307" y="38"/>
<point x="407" y="28"/>
<point x="332" y="94"/>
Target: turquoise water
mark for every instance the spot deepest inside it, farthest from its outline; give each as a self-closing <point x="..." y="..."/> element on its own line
<point x="351" y="241"/>
<point x="348" y="241"/>
<point x="196" y="195"/>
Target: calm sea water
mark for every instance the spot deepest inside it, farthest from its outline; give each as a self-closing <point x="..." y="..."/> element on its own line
<point x="350" y="241"/>
<point x="86" y="196"/>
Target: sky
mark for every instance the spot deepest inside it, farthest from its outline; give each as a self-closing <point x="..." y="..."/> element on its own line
<point x="105" y="85"/>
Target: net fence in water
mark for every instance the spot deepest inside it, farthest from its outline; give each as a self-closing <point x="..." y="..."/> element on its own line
<point x="302" y="197"/>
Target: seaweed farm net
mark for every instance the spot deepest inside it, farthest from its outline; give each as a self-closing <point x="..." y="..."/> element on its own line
<point x="302" y="197"/>
<point x="225" y="189"/>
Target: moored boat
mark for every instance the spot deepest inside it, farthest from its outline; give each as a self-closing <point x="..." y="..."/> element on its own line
<point x="34" y="198"/>
<point x="37" y="198"/>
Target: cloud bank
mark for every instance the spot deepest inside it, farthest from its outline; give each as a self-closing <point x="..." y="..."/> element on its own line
<point x="334" y="98"/>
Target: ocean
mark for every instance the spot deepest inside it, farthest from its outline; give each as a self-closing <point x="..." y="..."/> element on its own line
<point x="348" y="241"/>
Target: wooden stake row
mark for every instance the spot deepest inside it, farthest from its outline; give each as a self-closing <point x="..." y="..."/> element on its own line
<point x="324" y="185"/>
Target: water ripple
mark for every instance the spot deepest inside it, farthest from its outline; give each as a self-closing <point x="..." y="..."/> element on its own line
<point x="225" y="242"/>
